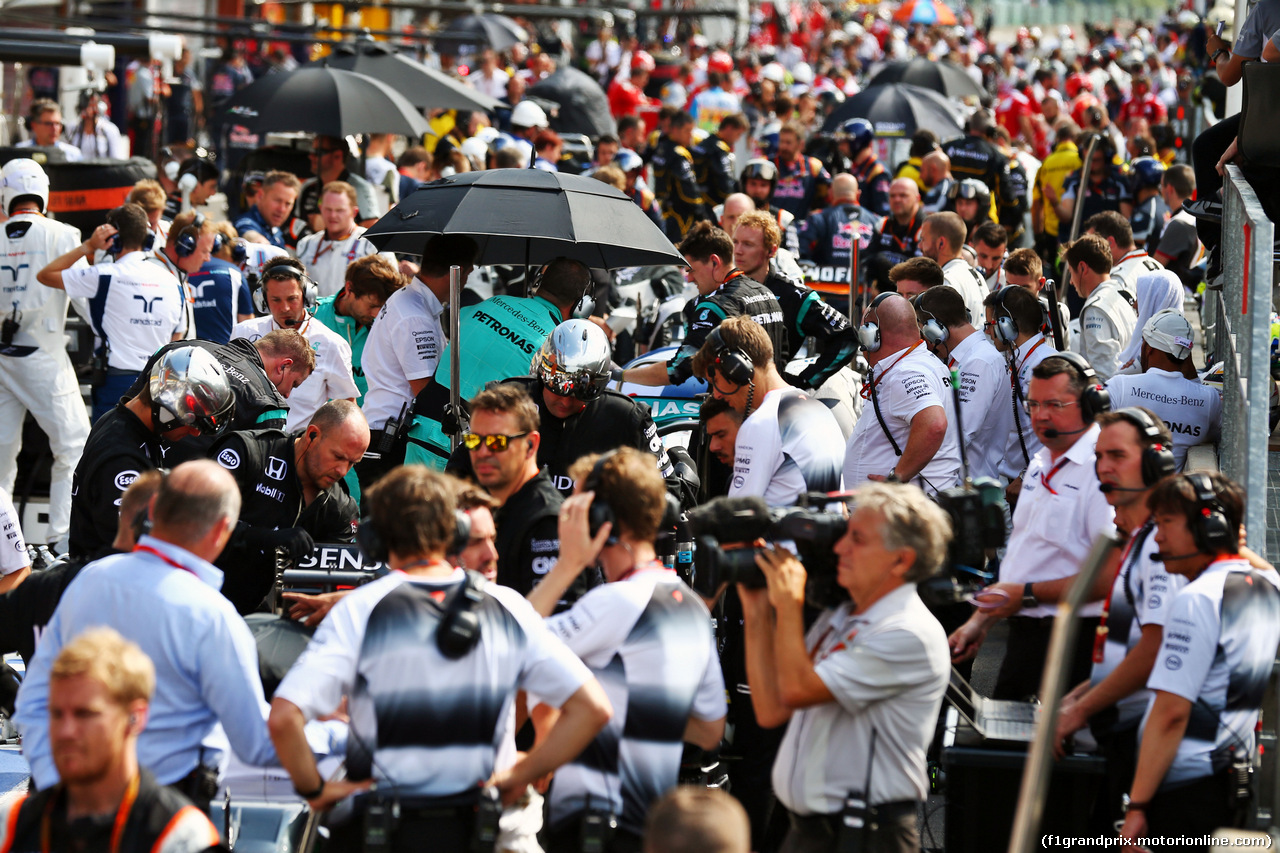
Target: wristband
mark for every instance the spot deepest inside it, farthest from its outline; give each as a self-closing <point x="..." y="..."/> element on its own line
<point x="1214" y="58"/>
<point x="310" y="795"/>
<point x="1028" y="597"/>
<point x="1133" y="805"/>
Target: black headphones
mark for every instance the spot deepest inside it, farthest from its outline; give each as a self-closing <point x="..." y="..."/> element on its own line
<point x="113" y="246"/>
<point x="869" y="332"/>
<point x="1006" y="326"/>
<point x="732" y="364"/>
<point x="188" y="238"/>
<point x="600" y="512"/>
<point x="1210" y="529"/>
<point x="1157" y="459"/>
<point x="934" y="332"/>
<point x="291" y="267"/>
<point x="1095" y="399"/>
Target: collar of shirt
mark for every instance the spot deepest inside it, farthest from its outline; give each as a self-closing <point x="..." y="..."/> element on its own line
<point x="904" y="354"/>
<point x="160" y="256"/>
<point x="965" y="348"/>
<point x="955" y="263"/>
<point x="1081" y="453"/>
<point x="1027" y="347"/>
<point x="554" y="311"/>
<point x="434" y="307"/>
<point x="208" y="574"/>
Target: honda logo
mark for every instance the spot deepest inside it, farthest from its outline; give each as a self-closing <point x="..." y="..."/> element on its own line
<point x="275" y="468"/>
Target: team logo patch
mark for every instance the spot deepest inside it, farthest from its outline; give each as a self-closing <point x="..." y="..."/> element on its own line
<point x="229" y="459"/>
<point x="275" y="468"/>
<point x="1153" y="602"/>
<point x="1173" y="662"/>
<point x="19" y="547"/>
<point x="125" y="478"/>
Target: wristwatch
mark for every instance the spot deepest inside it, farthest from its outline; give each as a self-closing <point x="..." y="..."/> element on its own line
<point x="1028" y="597"/>
<point x="310" y="795"/>
<point x="892" y="476"/>
<point x="1127" y="805"/>
<point x="1214" y="58"/>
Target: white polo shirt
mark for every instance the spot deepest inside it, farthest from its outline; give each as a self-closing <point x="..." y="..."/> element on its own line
<point x="327" y="260"/>
<point x="969" y="283"/>
<point x="1060" y="512"/>
<point x="404" y="343"/>
<point x="1127" y="270"/>
<point x="1033" y="351"/>
<point x="13" y="550"/>
<point x="986" y="403"/>
<point x="904" y="384"/>
<point x="790" y="445"/>
<point x="1107" y="322"/>
<point x="135" y="303"/>
<point x="1191" y="409"/>
<point x="331" y="380"/>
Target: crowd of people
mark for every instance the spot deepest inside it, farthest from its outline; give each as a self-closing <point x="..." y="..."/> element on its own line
<point x="530" y="670"/>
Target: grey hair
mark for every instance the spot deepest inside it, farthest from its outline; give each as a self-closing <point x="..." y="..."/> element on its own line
<point x="909" y="519"/>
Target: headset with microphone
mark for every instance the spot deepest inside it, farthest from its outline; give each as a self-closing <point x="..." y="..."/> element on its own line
<point x="1210" y="530"/>
<point x="1157" y="458"/>
<point x="935" y="334"/>
<point x="869" y="332"/>
<point x="188" y="238"/>
<point x="733" y="364"/>
<point x="1006" y="327"/>
<point x="292" y="268"/>
<point x="1094" y="399"/>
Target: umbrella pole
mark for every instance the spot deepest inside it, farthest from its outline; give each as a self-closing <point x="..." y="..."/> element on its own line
<point x="853" y="276"/>
<point x="455" y="357"/>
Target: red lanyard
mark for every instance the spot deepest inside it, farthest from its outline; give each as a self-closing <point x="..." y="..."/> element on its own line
<point x="1100" y="638"/>
<point x="1045" y="479"/>
<point x="322" y="249"/>
<point x="154" y="552"/>
<point x="117" y="828"/>
<point x="1023" y="363"/>
<point x="868" y="388"/>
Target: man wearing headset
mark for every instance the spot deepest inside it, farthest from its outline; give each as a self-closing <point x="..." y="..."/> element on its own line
<point x="288" y="297"/>
<point x="1212" y="668"/>
<point x="139" y="303"/>
<point x="1059" y="514"/>
<point x="290" y="485"/>
<point x="909" y="435"/>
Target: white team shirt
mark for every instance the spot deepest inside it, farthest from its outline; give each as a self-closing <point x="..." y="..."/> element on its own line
<point x="790" y="445"/>
<point x="986" y="403"/>
<point x="1033" y="351"/>
<point x="1127" y="270"/>
<point x="28" y="242"/>
<point x="1217" y="654"/>
<point x="135" y="302"/>
<point x="495" y="87"/>
<point x="257" y="254"/>
<point x="327" y="260"/>
<point x="887" y="670"/>
<point x="961" y="277"/>
<point x="13" y="551"/>
<point x="71" y="152"/>
<point x="404" y="343"/>
<point x="326" y="672"/>
<point x="1060" y="512"/>
<point x="1191" y="409"/>
<point x="331" y="380"/>
<point x="1142" y="594"/>
<point x="904" y="383"/>
<point x="1107" y="322"/>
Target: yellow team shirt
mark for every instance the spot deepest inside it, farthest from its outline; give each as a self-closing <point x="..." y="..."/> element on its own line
<point x="1054" y="171"/>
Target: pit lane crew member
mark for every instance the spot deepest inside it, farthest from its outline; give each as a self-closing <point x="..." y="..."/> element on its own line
<point x="1128" y="262"/>
<point x="1107" y="319"/>
<point x="866" y="168"/>
<point x="331" y="156"/>
<point x="758" y="179"/>
<point x="803" y="182"/>
<point x="292" y="492"/>
<point x="44" y="122"/>
<point x="35" y="371"/>
<point x="329" y="251"/>
<point x="897" y="237"/>
<point x="433" y="779"/>
<point x="350" y="312"/>
<point x="713" y="159"/>
<point x="1014" y="324"/>
<point x="942" y="239"/>
<point x="827" y="237"/>
<point x="219" y="291"/>
<point x="682" y="198"/>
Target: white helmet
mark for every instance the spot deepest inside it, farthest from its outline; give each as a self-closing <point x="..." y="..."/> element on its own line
<point x="23" y="177"/>
<point x="528" y="114"/>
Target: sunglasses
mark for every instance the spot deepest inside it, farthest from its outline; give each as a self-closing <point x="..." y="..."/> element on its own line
<point x="496" y="443"/>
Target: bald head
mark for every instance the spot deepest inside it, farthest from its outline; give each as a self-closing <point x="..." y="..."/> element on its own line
<point x="193" y="501"/>
<point x="844" y="189"/>
<point x="897" y="321"/>
<point x="935" y="166"/>
<point x="734" y="206"/>
<point x="904" y="199"/>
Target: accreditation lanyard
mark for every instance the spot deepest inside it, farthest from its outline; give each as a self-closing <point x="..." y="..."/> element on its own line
<point x="323" y="248"/>
<point x="1122" y="573"/>
<point x="117" y="829"/>
<point x="1047" y="478"/>
<point x="148" y="549"/>
<point x="869" y="388"/>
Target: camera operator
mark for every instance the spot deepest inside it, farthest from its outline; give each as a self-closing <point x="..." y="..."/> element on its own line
<point x="1132" y="455"/>
<point x="863" y="688"/>
<point x="1060" y="513"/>
<point x="430" y="721"/>
<point x="670" y="680"/>
<point x="577" y="415"/>
<point x="986" y="407"/>
<point x="910" y="436"/>
<point x="1211" y="673"/>
<point x="291" y="486"/>
<point x="789" y="443"/>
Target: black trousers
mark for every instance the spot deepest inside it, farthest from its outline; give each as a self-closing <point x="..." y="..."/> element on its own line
<point x="1206" y="150"/>
<point x="897" y="831"/>
<point x="1195" y="809"/>
<point x="567" y="838"/>
<point x="1121" y="751"/>
<point x="1025" y="652"/>
<point x="445" y="834"/>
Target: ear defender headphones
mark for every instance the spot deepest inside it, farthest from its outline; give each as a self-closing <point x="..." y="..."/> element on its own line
<point x="189" y="238"/>
<point x="1157" y="459"/>
<point x="1006" y="327"/>
<point x="1210" y="529"/>
<point x="933" y="331"/>
<point x="291" y="267"/>
<point x="732" y="364"/>
<point x="869" y="332"/>
<point x="113" y="247"/>
<point x="1095" y="399"/>
<point x="600" y="512"/>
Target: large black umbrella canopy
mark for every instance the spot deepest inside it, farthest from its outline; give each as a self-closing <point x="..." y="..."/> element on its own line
<point x="425" y="88"/>
<point x="945" y="78"/>
<point x="584" y="107"/>
<point x="899" y="110"/>
<point x="326" y="101"/>
<point x="489" y="29"/>
<point x="527" y="216"/>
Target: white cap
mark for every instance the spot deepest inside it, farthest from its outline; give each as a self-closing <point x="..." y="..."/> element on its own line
<point x="528" y="114"/>
<point x="1169" y="331"/>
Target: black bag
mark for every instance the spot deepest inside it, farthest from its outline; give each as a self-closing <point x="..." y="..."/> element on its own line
<point x="1257" y="140"/>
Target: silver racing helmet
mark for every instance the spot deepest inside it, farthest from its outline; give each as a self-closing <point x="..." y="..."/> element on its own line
<point x="574" y="360"/>
<point x="188" y="387"/>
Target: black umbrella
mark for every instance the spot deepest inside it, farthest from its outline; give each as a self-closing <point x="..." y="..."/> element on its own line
<point x="280" y="642"/>
<point x="584" y="108"/>
<point x="899" y="110"/>
<point x="423" y="87"/>
<point x="946" y="78"/>
<point x="327" y="101"/>
<point x="527" y="216"/>
<point x="490" y="29"/>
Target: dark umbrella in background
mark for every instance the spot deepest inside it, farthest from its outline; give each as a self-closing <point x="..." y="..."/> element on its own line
<point x="584" y="107"/>
<point x="945" y="78"/>
<point x="899" y="110"/>
<point x="327" y="101"/>
<point x="423" y="87"/>
<point x="489" y="29"/>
